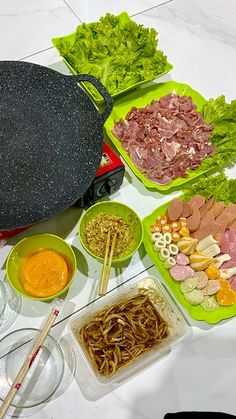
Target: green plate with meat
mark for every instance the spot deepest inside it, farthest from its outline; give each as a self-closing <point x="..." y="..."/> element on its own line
<point x="69" y="57"/>
<point x="196" y="312"/>
<point x="140" y="99"/>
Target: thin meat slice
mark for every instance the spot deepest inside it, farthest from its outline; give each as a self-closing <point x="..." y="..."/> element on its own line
<point x="174" y="132"/>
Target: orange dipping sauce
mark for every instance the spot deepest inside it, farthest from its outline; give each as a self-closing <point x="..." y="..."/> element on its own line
<point x="44" y="273"/>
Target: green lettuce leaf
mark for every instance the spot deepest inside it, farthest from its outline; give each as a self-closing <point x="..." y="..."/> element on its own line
<point x="218" y="187"/>
<point x="118" y="54"/>
<point x="223" y="117"/>
<point x="217" y="110"/>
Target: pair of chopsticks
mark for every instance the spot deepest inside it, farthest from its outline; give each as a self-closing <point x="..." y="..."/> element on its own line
<point x="106" y="268"/>
<point x="29" y="361"/>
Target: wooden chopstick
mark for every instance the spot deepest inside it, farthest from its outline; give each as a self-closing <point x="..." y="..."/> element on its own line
<point x="100" y="292"/>
<point x="106" y="269"/>
<point x="28" y="362"/>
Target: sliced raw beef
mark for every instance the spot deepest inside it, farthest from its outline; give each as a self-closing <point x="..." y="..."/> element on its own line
<point x="165" y="138"/>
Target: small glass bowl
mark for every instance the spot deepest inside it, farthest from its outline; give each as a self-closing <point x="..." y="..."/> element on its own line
<point x="45" y="374"/>
<point x="3" y="299"/>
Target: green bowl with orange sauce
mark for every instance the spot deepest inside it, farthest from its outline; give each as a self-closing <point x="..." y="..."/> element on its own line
<point x="26" y="247"/>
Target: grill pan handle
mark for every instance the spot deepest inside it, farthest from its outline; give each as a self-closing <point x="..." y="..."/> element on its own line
<point x="103" y="92"/>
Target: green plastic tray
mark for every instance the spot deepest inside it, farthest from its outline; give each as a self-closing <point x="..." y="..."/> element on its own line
<point x="124" y="18"/>
<point x="139" y="99"/>
<point x="196" y="312"/>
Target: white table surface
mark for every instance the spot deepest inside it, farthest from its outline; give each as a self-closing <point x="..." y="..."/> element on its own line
<point x="199" y="38"/>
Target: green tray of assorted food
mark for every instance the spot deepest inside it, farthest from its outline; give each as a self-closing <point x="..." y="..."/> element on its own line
<point x="192" y="242"/>
<point x="170" y="135"/>
<point x="119" y="52"/>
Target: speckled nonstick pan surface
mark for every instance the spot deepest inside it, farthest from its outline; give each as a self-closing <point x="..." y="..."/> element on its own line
<point x="51" y="137"/>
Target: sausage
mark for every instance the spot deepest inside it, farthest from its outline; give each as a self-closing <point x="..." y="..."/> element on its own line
<point x="215" y="228"/>
<point x="193" y="222"/>
<point x="201" y="279"/>
<point x="180" y="273"/>
<point x="175" y="209"/>
<point x="217" y="208"/>
<point x="197" y="200"/>
<point x="231" y="209"/>
<point x="206" y="207"/>
<point x="207" y="219"/>
<point x="182" y="259"/>
<point x="187" y="210"/>
<point x="202" y="232"/>
<point x="223" y="220"/>
<point x="212" y="287"/>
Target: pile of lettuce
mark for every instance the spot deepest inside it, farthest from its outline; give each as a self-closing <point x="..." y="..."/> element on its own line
<point x="223" y="117"/>
<point x="218" y="187"/>
<point x="118" y="54"/>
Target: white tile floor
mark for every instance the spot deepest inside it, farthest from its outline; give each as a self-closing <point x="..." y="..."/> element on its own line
<point x="199" y="38"/>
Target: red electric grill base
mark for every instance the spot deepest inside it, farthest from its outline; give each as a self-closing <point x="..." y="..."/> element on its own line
<point x="109" y="178"/>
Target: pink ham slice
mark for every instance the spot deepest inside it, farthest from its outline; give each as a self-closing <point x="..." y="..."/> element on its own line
<point x="228" y="243"/>
<point x="228" y="264"/>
